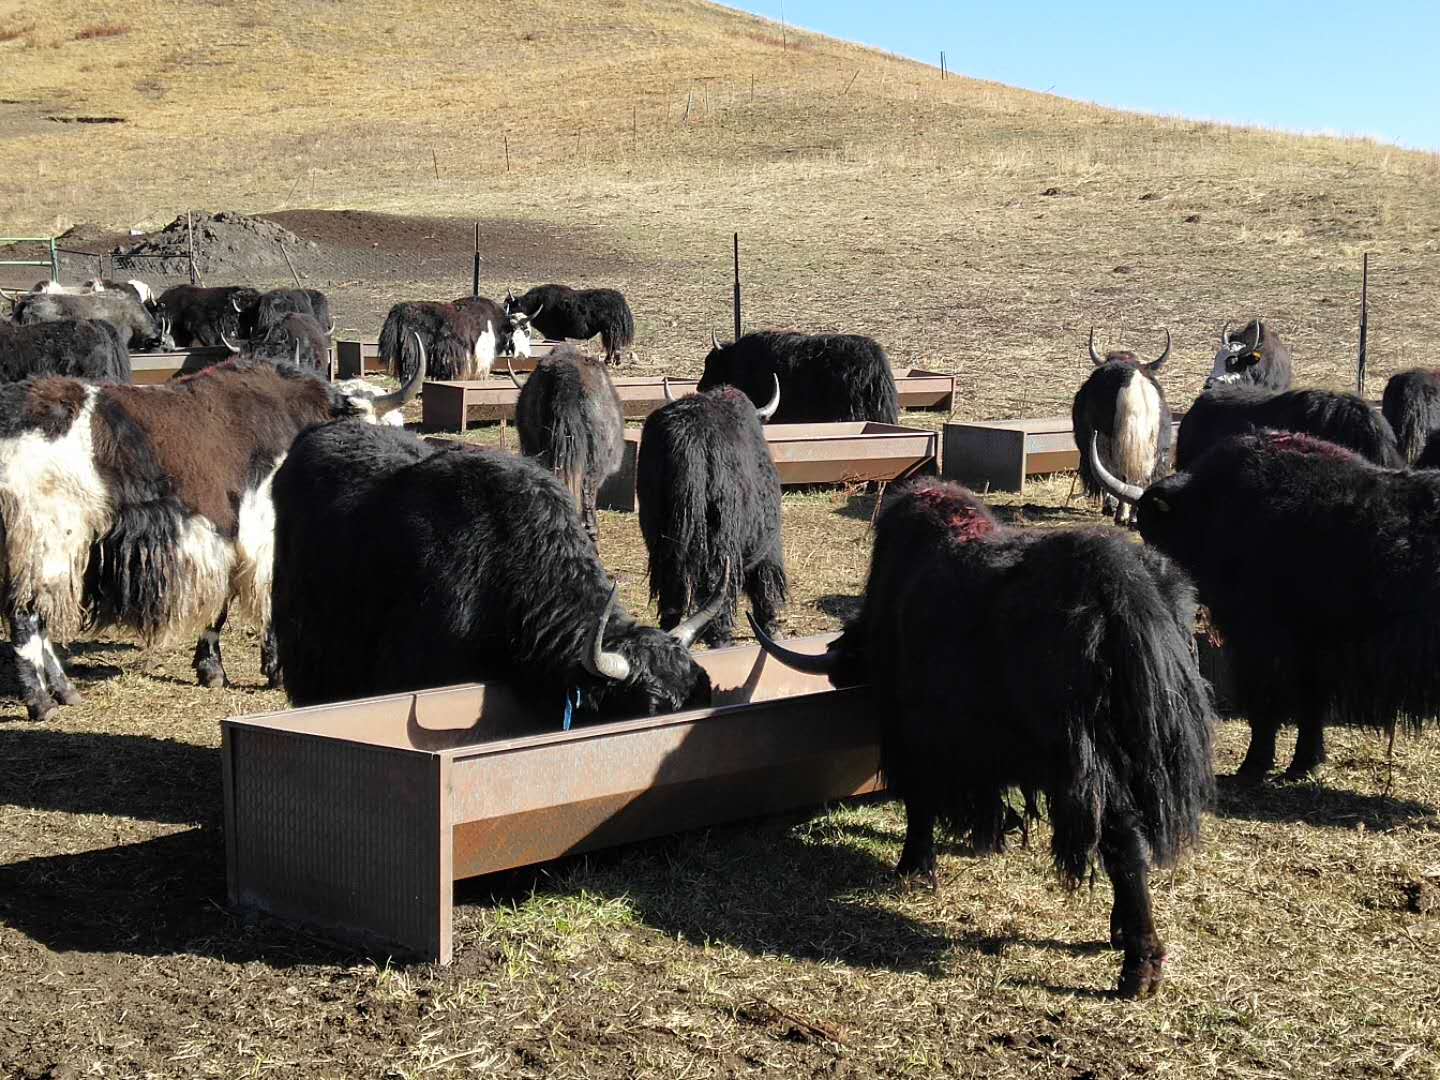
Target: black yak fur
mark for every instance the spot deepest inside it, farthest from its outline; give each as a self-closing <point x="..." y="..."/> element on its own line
<point x="564" y="312"/>
<point x="273" y="306"/>
<point x="204" y="317"/>
<point x="474" y="562"/>
<point x="1344" y="419"/>
<point x="1123" y="404"/>
<point x="1059" y="663"/>
<point x="1430" y="456"/>
<point x="81" y="348"/>
<point x="570" y="420"/>
<point x="824" y="378"/>
<point x="1411" y="403"/>
<point x="138" y="329"/>
<point x="709" y="498"/>
<point x="1255" y="356"/>
<point x="1319" y="572"/>
<point x="450" y="332"/>
<point x="280" y="341"/>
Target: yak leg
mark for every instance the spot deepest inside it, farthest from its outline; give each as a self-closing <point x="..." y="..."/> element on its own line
<point x="1309" y="747"/>
<point x="60" y="684"/>
<point x="269" y="657"/>
<point x="765" y="587"/>
<point x="917" y="857"/>
<point x="208" y="666"/>
<point x="1260" y="758"/>
<point x="29" y="645"/>
<point x="1123" y="851"/>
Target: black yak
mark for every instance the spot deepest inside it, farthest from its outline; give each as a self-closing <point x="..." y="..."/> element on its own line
<point x="824" y="378"/>
<point x="146" y="506"/>
<point x="1411" y="403"/>
<point x="709" y="499"/>
<point x="1058" y="662"/>
<point x="296" y="338"/>
<point x="1344" y="419"/>
<point x="205" y="317"/>
<point x="1252" y="356"/>
<point x="570" y="420"/>
<point x="462" y="338"/>
<point x="138" y="329"/>
<point x="80" y="348"/>
<point x="273" y="306"/>
<point x="1122" y="403"/>
<point x="558" y="311"/>
<point x="476" y="564"/>
<point x="1318" y="568"/>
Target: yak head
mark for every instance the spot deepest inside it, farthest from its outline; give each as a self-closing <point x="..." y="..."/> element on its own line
<point x="1238" y="353"/>
<point x="643" y="671"/>
<point x="515" y="333"/>
<point x="1122" y="356"/>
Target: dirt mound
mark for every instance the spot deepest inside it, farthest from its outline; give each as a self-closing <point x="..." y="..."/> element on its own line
<point x="225" y="243"/>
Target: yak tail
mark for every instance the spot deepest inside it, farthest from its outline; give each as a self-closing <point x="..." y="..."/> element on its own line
<point x="1142" y="751"/>
<point x="618" y="332"/>
<point x="393" y="344"/>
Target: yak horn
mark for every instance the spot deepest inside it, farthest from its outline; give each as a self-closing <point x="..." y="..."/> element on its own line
<point x="598" y="662"/>
<point x="768" y="410"/>
<point x="1259" y="334"/>
<point x="1095" y="357"/>
<point x="513" y="378"/>
<point x="688" y="630"/>
<point x="665" y="382"/>
<point x="11" y="296"/>
<point x="296" y="361"/>
<point x="236" y="305"/>
<point x="1124" y="492"/>
<point x="388" y="403"/>
<point x="232" y="348"/>
<point x="331" y="331"/>
<point x="809" y="663"/>
<point x="1156" y="364"/>
<point x="714" y="341"/>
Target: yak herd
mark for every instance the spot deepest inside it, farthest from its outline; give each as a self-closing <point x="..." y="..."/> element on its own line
<point x="1058" y="663"/>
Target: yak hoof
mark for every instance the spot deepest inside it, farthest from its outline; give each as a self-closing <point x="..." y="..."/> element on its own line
<point x="1297" y="774"/>
<point x="39" y="714"/>
<point x="1141" y="976"/>
<point x="1251" y="777"/>
<point x="918" y="877"/>
<point x="69" y="696"/>
<point x="1117" y="936"/>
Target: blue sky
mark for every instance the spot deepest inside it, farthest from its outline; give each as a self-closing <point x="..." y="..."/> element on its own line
<point x="1348" y="68"/>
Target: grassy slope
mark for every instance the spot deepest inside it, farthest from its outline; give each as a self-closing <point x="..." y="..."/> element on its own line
<point x="870" y="195"/>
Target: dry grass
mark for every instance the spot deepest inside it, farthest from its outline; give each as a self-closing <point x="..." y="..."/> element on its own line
<point x="101" y="30"/>
<point x="885" y="202"/>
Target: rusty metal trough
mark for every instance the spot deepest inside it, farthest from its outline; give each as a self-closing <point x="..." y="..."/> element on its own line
<point x="149" y="368"/>
<point x="356" y="358"/>
<point x="452" y="406"/>
<point x="357" y="818"/>
<point x="813" y="454"/>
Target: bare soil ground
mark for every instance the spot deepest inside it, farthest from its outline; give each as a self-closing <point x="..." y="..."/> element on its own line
<point x="971" y="228"/>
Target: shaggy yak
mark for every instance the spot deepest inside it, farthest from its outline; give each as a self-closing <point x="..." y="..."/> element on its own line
<point x="558" y="311"/>
<point x="487" y="575"/>
<point x="1344" y="419"/>
<point x="569" y="419"/>
<point x="80" y="348"/>
<point x="1122" y="403"/>
<point x="1347" y="630"/>
<point x="1056" y="662"/>
<point x="1252" y="356"/>
<point x="709" y="499"/>
<point x="1411" y="404"/>
<point x="824" y="378"/>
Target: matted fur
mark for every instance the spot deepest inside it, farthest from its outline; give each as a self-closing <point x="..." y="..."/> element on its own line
<point x="81" y="348"/>
<point x="564" y="312"/>
<point x="200" y="316"/>
<point x="1411" y="404"/>
<point x="709" y="497"/>
<point x="474" y="566"/>
<point x="1348" y="630"/>
<point x="1056" y="662"/>
<point x="461" y="338"/>
<point x="824" y="378"/>
<point x="132" y="320"/>
<point x="1122" y="404"/>
<point x="1344" y="419"/>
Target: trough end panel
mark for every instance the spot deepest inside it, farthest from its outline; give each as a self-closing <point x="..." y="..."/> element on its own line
<point x="984" y="458"/>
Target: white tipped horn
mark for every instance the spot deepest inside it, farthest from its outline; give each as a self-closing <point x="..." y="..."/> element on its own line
<point x="598" y="662"/>
<point x="1125" y="492"/>
<point x="226" y="340"/>
<point x="688" y="630"/>
<point x="665" y="383"/>
<point x="768" y="410"/>
<point x="388" y="403"/>
<point x="1095" y="357"/>
<point x="714" y="341"/>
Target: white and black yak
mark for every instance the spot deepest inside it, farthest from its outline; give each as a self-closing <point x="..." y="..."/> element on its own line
<point x="461" y="338"/>
<point x="138" y="328"/>
<point x="709" y="498"/>
<point x="1122" y="404"/>
<point x="1344" y="419"/>
<point x="487" y="575"/>
<point x="1319" y="570"/>
<point x="824" y="378"/>
<point x="570" y="420"/>
<point x="205" y="317"/>
<point x="80" y="348"/>
<point x="147" y="507"/>
<point x="1254" y="355"/>
<point x="1056" y="662"/>
<point x="558" y="312"/>
<point x="1411" y="403"/>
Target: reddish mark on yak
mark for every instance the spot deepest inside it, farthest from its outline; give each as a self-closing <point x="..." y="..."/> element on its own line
<point x="1291" y="442"/>
<point x="966" y="521"/>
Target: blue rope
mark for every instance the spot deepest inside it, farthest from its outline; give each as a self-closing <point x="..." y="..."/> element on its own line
<point x="571" y="704"/>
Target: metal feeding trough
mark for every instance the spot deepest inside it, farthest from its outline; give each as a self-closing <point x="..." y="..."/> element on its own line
<point x="356" y="358"/>
<point x="920" y="389"/>
<point x="159" y="367"/>
<point x="998" y="455"/>
<point x="813" y="454"/>
<point x="357" y="818"/>
<point x="452" y="406"/>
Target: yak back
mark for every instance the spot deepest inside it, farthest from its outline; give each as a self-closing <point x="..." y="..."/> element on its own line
<point x="824" y="378"/>
<point x="1344" y="419"/>
<point x="569" y="418"/>
<point x="78" y="348"/>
